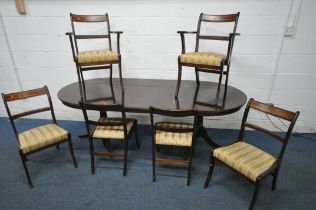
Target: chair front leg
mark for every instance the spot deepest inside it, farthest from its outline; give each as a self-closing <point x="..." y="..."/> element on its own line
<point x="255" y="195"/>
<point x="179" y="77"/>
<point x="72" y="151"/>
<point x="23" y="158"/>
<point x="210" y="170"/>
<point x="57" y="146"/>
<point x="219" y="85"/>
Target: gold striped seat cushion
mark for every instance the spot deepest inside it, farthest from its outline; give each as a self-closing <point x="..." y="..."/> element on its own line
<point x="111" y="132"/>
<point x="245" y="158"/>
<point x="173" y="138"/>
<point x="96" y="56"/>
<point x="41" y="136"/>
<point x="203" y="58"/>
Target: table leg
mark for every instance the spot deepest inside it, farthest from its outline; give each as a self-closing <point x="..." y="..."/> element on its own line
<point x="202" y="132"/>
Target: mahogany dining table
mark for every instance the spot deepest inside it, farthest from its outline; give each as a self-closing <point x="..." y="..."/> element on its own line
<point x="139" y="94"/>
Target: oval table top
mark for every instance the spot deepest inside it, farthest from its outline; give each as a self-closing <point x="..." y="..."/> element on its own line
<point x="142" y="93"/>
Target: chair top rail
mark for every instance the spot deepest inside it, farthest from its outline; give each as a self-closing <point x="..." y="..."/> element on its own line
<point x="275" y="111"/>
<point x="101" y="107"/>
<point x="172" y="113"/>
<point x="219" y="18"/>
<point x="89" y="18"/>
<point x="25" y="94"/>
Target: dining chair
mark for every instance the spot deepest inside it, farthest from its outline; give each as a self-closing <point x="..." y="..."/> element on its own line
<point x="173" y="134"/>
<point x="93" y="59"/>
<point x="248" y="160"/>
<point x="38" y="138"/>
<point x="208" y="61"/>
<point x="108" y="128"/>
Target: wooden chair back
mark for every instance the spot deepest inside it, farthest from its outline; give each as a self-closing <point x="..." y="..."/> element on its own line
<point x="172" y="113"/>
<point x="10" y="97"/>
<point x="274" y="111"/>
<point x="90" y="19"/>
<point x="86" y="106"/>
<point x="205" y="18"/>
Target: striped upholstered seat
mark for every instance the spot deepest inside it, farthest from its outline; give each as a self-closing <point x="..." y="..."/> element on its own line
<point x="111" y="132"/>
<point x="245" y="158"/>
<point x="41" y="136"/>
<point x="203" y="58"/>
<point x="96" y="56"/>
<point x="172" y="138"/>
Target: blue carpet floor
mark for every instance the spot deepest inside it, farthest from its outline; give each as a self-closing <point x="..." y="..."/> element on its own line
<point x="58" y="185"/>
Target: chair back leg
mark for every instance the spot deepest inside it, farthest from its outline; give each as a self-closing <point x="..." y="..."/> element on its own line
<point x="275" y="178"/>
<point x="92" y="156"/>
<point x="190" y="166"/>
<point x="197" y="77"/>
<point x="154" y="161"/>
<point x="125" y="156"/>
<point x="121" y="77"/>
<point x="136" y="135"/>
<point x="179" y="78"/>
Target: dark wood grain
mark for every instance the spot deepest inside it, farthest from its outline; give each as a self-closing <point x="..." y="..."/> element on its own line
<point x="219" y="18"/>
<point x="25" y="94"/>
<point x="89" y="18"/>
<point x="142" y="93"/>
<point x="275" y="111"/>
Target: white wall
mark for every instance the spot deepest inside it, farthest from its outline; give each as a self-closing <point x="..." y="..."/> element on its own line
<point x="34" y="50"/>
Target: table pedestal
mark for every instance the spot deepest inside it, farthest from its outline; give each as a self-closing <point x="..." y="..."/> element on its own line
<point x="202" y="132"/>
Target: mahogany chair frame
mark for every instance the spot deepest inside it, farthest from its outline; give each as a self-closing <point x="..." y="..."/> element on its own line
<point x="155" y="127"/>
<point x="208" y="68"/>
<point x="274" y="169"/>
<point x="25" y="95"/>
<point x="82" y="67"/>
<point x="88" y="122"/>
